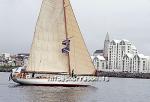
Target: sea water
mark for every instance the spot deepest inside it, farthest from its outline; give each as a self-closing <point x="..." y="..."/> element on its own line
<point x="116" y="90"/>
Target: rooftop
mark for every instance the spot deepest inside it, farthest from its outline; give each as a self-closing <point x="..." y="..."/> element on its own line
<point x="99" y="51"/>
<point x="101" y="58"/>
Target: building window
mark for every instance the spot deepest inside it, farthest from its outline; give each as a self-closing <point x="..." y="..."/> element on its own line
<point x="97" y="64"/>
<point x="143" y="65"/>
<point x="103" y="65"/>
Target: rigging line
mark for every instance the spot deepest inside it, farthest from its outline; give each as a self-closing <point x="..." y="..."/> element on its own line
<point x="66" y="35"/>
<point x="75" y="61"/>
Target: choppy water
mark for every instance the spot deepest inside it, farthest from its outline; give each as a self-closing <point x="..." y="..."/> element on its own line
<point x="117" y="90"/>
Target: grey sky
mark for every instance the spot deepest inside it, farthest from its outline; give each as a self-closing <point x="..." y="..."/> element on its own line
<point x="123" y="19"/>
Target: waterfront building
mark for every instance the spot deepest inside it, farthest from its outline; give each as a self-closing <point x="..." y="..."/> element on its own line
<point x="141" y="64"/>
<point x="117" y="50"/>
<point x="120" y="56"/>
<point x="4" y="59"/>
<point x="113" y="55"/>
<point x="6" y="56"/>
<point x="104" y="52"/>
<point x="7" y="59"/>
<point x="99" y="63"/>
<point x="127" y="62"/>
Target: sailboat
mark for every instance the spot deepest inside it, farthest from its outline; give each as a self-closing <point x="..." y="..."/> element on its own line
<point x="58" y="55"/>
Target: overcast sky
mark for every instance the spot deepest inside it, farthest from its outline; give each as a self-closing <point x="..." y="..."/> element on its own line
<point x="123" y="19"/>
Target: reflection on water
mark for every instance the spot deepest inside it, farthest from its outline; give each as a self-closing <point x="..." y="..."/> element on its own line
<point x="117" y="90"/>
<point x="54" y="94"/>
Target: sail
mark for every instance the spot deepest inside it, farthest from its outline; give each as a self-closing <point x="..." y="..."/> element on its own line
<point x="45" y="54"/>
<point x="80" y="59"/>
<point x="56" y="24"/>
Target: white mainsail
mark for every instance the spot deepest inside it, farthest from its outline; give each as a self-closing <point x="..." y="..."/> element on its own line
<point x="45" y="55"/>
<point x="56" y="21"/>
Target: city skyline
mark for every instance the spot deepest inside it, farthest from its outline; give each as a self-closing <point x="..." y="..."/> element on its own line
<point x="120" y="56"/>
<point x="122" y="19"/>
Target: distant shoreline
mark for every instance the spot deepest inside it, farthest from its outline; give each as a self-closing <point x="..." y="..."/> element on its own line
<point x="100" y="73"/>
<point x="124" y="75"/>
<point x="7" y="69"/>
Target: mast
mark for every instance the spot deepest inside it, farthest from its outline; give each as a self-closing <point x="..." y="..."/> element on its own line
<point x="66" y="32"/>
